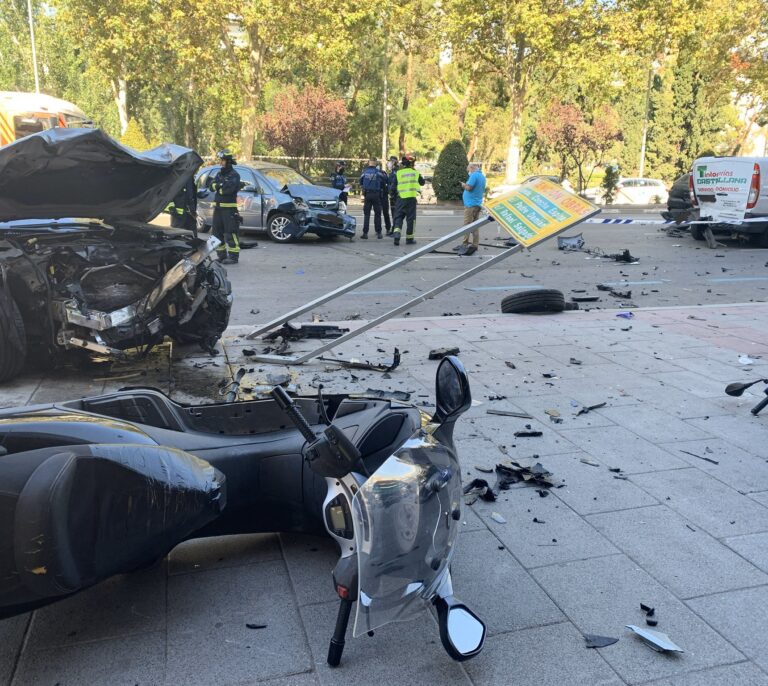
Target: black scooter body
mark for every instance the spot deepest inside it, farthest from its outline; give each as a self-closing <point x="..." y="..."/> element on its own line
<point x="105" y="485"/>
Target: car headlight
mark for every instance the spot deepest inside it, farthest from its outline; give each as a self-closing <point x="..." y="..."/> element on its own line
<point x="299" y="204"/>
<point x="342" y="207"/>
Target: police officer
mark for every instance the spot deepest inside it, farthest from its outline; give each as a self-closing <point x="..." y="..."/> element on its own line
<point x="339" y="181"/>
<point x="370" y="183"/>
<point x="183" y="207"/>
<point x="385" y="199"/>
<point x="391" y="183"/>
<point x="407" y="187"/>
<point x="226" y="219"/>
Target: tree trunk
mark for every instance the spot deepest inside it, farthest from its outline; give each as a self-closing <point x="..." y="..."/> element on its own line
<point x="248" y="122"/>
<point x="515" y="137"/>
<point x="406" y="100"/>
<point x="461" y="112"/>
<point x="473" y="144"/>
<point x="120" y="94"/>
<point x="252" y="93"/>
<point x="190" y="133"/>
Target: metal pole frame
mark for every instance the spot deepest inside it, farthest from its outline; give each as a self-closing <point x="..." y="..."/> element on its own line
<point x="366" y="278"/>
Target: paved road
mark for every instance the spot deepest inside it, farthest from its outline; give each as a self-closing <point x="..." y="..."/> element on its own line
<point x="671" y="271"/>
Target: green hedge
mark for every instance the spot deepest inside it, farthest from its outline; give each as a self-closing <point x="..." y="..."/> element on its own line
<point x="450" y="172"/>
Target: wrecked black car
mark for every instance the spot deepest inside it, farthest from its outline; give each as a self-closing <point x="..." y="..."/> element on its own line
<point x="80" y="269"/>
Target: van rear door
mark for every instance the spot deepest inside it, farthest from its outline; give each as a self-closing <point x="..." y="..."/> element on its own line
<point x="722" y="187"/>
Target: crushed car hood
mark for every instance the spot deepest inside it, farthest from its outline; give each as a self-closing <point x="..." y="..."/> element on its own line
<point x="306" y="191"/>
<point x="85" y="173"/>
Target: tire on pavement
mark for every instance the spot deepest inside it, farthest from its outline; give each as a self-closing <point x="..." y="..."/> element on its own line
<point x="697" y="232"/>
<point x="539" y="300"/>
<point x="280" y="228"/>
<point x="13" y="338"/>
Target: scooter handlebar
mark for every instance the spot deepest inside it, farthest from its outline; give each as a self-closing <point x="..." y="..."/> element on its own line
<point x="760" y="406"/>
<point x="286" y="404"/>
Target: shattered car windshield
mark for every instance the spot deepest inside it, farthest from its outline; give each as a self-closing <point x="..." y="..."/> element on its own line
<point x="279" y="178"/>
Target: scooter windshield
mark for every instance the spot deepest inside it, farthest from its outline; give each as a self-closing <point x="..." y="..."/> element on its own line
<point x="406" y="518"/>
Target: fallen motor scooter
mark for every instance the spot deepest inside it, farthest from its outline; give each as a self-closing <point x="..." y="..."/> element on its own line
<point x="109" y="484"/>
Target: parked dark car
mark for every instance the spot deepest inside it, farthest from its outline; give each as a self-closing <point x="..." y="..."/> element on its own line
<point x="679" y="205"/>
<point x="108" y="282"/>
<point x="280" y="201"/>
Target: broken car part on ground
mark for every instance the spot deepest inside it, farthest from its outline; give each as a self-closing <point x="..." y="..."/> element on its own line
<point x="110" y="282"/>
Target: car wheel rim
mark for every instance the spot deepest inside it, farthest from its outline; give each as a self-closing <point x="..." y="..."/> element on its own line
<point x="279" y="225"/>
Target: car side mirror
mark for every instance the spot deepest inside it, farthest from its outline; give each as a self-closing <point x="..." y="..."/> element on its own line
<point x="248" y="187"/>
<point x="451" y="391"/>
<point x="462" y="633"/>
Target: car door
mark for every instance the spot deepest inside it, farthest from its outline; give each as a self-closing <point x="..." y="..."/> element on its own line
<point x="249" y="200"/>
<point x="205" y="197"/>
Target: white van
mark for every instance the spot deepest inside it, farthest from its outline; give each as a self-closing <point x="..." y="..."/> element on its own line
<point x="731" y="195"/>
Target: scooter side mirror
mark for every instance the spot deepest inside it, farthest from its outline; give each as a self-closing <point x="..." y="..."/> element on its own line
<point x="451" y="390"/>
<point x="461" y="631"/>
<point x="737" y="389"/>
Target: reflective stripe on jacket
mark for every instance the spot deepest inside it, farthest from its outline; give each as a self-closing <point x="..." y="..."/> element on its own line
<point x="407" y="182"/>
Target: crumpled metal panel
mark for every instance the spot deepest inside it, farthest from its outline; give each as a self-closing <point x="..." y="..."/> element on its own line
<point x="85" y="173"/>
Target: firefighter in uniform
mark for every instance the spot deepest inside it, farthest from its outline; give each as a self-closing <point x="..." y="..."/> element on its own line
<point x="226" y="218"/>
<point x="407" y="187"/>
<point x="183" y="207"/>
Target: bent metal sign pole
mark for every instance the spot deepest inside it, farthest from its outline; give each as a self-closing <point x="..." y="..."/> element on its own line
<point x="534" y="213"/>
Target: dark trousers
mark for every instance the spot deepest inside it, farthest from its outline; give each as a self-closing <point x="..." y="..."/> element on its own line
<point x="385" y="213"/>
<point x="405" y="209"/>
<point x="183" y="221"/>
<point x="227" y="229"/>
<point x="372" y="200"/>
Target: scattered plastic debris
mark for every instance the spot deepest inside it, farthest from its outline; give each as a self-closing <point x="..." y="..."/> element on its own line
<point x="511" y="365"/>
<point x="585" y="298"/>
<point x="595" y="641"/>
<point x="371" y="366"/>
<point x="591" y="463"/>
<point x="528" y="434"/>
<point x="655" y="639"/>
<point x="573" y="360"/>
<point x="588" y="408"/>
<point x="440" y="353"/>
<point x="256" y="626"/>
<point x="505" y="413"/>
<point x="497" y="397"/>
<point x="625" y="315"/>
<point x="746" y="359"/>
<point x="496" y="517"/>
<point x="400" y="396"/>
<point x="297" y="332"/>
<point x="570" y="242"/>
<point x="485" y="470"/>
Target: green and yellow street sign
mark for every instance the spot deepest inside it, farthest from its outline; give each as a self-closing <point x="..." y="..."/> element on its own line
<point x="538" y="210"/>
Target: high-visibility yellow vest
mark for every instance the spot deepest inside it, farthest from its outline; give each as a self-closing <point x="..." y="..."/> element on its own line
<point x="407" y="182"/>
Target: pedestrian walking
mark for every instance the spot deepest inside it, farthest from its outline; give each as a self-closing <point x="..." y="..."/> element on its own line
<point x="183" y="207"/>
<point x="407" y="187"/>
<point x="385" y="199"/>
<point x="371" y="184"/>
<point x="474" y="192"/>
<point x="226" y="219"/>
<point x="391" y="183"/>
<point x="339" y="181"/>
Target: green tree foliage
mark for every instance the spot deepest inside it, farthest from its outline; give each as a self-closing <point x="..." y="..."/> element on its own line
<point x="450" y="171"/>
<point x="134" y="137"/>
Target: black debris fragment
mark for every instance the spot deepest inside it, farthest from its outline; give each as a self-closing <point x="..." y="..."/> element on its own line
<point x="528" y="434"/>
<point x="514" y="472"/>
<point x="589" y="408"/>
<point x="573" y="360"/>
<point x="297" y="332"/>
<point x="256" y="626"/>
<point x="249" y="352"/>
<point x="536" y="520"/>
<point x="505" y="413"/>
<point x="482" y="489"/>
<point x="497" y="397"/>
<point x="595" y="641"/>
<point x="542" y="493"/>
<point x="485" y="470"/>
<point x="511" y="365"/>
<point x="706" y="459"/>
<point x="440" y="353"/>
<point x="585" y="298"/>
<point x="278" y="347"/>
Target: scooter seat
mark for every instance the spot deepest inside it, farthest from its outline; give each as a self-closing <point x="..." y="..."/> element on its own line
<point x="73" y="516"/>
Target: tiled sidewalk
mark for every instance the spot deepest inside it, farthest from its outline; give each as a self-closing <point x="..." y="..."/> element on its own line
<point x="683" y="534"/>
